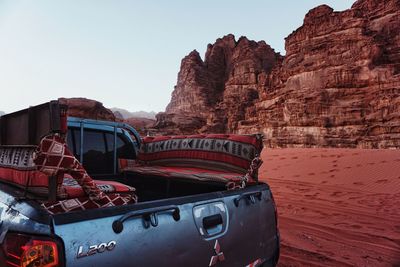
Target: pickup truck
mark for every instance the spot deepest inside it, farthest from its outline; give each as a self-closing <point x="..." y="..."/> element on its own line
<point x="188" y="200"/>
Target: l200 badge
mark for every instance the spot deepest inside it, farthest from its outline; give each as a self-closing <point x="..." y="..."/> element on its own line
<point x="95" y="249"/>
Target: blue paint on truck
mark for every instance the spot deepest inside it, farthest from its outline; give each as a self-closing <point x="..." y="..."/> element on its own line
<point x="210" y="228"/>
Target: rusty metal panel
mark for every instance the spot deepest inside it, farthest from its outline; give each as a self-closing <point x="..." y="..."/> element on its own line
<point x="28" y="126"/>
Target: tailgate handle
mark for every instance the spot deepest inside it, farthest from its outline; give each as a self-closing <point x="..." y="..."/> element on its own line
<point x="118" y="225"/>
<point x="212" y="220"/>
<point x="250" y="196"/>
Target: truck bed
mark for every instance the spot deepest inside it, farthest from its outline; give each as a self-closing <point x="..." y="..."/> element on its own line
<point x="180" y="230"/>
<point x="182" y="222"/>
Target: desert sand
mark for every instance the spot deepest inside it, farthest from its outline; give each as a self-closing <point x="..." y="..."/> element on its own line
<point x="337" y="207"/>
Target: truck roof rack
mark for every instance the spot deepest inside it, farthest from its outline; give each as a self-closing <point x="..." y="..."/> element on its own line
<point x="28" y="126"/>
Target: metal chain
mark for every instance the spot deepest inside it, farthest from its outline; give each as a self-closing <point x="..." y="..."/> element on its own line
<point x="251" y="173"/>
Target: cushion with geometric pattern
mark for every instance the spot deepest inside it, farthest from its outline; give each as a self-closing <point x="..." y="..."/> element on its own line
<point x="224" y="152"/>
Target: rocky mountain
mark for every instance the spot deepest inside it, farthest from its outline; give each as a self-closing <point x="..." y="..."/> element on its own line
<point x="338" y="84"/>
<point x="125" y="114"/>
<point x="212" y="96"/>
<point x="2" y="113"/>
<point x="92" y="109"/>
<point x="142" y="121"/>
<point x="142" y="125"/>
<point x="87" y="108"/>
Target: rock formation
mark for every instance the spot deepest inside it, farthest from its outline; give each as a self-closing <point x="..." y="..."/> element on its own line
<point x="212" y="95"/>
<point x="87" y="108"/>
<point x="125" y="114"/>
<point x="143" y="125"/>
<point x="92" y="109"/>
<point x="338" y="84"/>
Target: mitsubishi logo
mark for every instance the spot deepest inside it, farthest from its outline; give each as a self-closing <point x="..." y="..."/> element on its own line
<point x="219" y="254"/>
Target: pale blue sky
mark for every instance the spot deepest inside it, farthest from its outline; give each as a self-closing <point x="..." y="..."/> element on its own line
<point x="124" y="53"/>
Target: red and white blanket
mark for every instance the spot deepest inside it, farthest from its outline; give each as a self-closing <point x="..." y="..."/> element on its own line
<point x="53" y="158"/>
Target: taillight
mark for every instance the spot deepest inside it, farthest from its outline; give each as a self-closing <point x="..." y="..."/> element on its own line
<point x="22" y="250"/>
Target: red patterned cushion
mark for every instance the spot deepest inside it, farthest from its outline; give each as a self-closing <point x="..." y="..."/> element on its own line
<point x="34" y="182"/>
<point x="215" y="151"/>
<point x="85" y="203"/>
<point x="185" y="172"/>
<point x="232" y="159"/>
<point x="31" y="169"/>
<point x="54" y="158"/>
<point x="17" y="168"/>
<point x="72" y="189"/>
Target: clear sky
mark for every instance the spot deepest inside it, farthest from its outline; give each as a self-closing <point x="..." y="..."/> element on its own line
<point x="123" y="53"/>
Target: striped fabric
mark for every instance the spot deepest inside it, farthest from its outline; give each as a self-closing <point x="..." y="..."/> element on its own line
<point x="217" y="157"/>
<point x="85" y="203"/>
<point x="17" y="168"/>
<point x="217" y="151"/>
<point x="53" y="158"/>
<point x="72" y="189"/>
<point x="186" y="172"/>
<point x="30" y="168"/>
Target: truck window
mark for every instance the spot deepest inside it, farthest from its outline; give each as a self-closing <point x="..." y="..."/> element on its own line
<point x="109" y="142"/>
<point x="74" y="141"/>
<point x="97" y="159"/>
<point x="70" y="142"/>
<point x="124" y="148"/>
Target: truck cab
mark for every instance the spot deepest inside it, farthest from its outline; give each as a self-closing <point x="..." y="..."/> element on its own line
<point x="99" y="144"/>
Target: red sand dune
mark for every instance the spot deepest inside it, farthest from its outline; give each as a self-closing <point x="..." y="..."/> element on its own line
<point x="337" y="207"/>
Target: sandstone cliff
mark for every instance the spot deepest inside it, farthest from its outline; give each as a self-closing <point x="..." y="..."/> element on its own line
<point x="212" y="95"/>
<point x="87" y="108"/>
<point x="338" y="84"/>
<point x="92" y="109"/>
<point x="143" y="125"/>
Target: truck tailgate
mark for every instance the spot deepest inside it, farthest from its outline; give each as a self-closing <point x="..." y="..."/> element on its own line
<point x="232" y="228"/>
